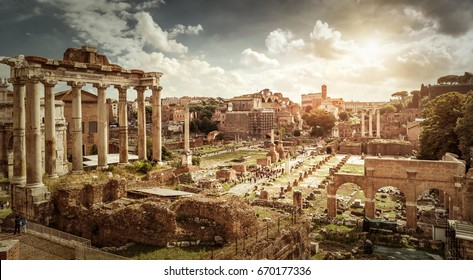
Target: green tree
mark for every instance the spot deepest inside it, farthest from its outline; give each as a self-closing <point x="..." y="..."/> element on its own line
<point x="388" y="108"/>
<point x="439" y="135"/>
<point x="415" y="99"/>
<point x="343" y="116"/>
<point x="320" y="121"/>
<point x="464" y="129"/>
<point x="401" y="95"/>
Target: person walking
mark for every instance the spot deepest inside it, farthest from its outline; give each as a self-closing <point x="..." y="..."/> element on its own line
<point x="17" y="225"/>
<point x="23" y="223"/>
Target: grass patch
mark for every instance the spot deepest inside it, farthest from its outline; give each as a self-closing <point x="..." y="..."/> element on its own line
<point x="226" y="158"/>
<point x="353" y="169"/>
<point x="4" y="213"/>
<point x="147" y="252"/>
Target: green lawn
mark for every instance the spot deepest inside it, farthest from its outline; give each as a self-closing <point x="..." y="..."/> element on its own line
<point x="147" y="252"/>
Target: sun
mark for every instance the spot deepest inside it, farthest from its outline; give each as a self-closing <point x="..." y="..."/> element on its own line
<point x="370" y="51"/>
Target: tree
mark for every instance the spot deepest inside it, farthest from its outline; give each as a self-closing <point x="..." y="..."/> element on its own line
<point x="320" y="121"/>
<point x="464" y="129"/>
<point x="439" y="134"/>
<point x="308" y="109"/>
<point x="343" y="116"/>
<point x="415" y="99"/>
<point x="401" y="95"/>
<point x="388" y="108"/>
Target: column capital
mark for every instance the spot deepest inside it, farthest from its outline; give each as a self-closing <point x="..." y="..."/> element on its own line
<point x="101" y="86"/>
<point x="157" y="88"/>
<point x="49" y="82"/>
<point x="121" y="88"/>
<point x="17" y="80"/>
<point x="140" y="88"/>
<point x="75" y="84"/>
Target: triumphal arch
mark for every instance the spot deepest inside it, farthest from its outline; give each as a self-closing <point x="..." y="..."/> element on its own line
<point x="30" y="76"/>
<point x="412" y="178"/>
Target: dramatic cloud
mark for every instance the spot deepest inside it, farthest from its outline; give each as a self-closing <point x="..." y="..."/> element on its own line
<point x="254" y="59"/>
<point x="327" y="42"/>
<point x="280" y="41"/>
<point x="181" y="29"/>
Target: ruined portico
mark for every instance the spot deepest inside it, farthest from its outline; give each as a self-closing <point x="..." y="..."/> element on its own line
<point x="411" y="177"/>
<point x="30" y="75"/>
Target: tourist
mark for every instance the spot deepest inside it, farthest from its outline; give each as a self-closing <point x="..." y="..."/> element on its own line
<point x="23" y="223"/>
<point x="17" y="225"/>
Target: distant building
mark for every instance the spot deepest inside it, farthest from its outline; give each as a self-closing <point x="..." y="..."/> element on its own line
<point x="314" y="100"/>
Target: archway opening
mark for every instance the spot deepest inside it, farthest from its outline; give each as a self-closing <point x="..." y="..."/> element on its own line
<point x="432" y="213"/>
<point x="390" y="204"/>
<point x="350" y="203"/>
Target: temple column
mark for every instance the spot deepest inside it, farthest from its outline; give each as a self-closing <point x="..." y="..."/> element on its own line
<point x="378" y="124"/>
<point x="370" y="124"/>
<point x="123" y="123"/>
<point x="187" y="153"/>
<point x="77" y="164"/>
<point x="50" y="128"/>
<point x="141" y="123"/>
<point x="362" y="123"/>
<point x="19" y="142"/>
<point x="34" y="170"/>
<point x="272" y="136"/>
<point x="156" y="119"/>
<point x="102" y="141"/>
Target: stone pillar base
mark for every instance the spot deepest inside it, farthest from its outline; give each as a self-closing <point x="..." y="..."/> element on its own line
<point x="331" y="207"/>
<point x="370" y="208"/>
<point x="411" y="216"/>
<point x="33" y="203"/>
<point x="186" y="158"/>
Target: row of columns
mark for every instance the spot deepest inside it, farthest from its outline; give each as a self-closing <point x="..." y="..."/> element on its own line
<point x="27" y="128"/>
<point x="370" y="124"/>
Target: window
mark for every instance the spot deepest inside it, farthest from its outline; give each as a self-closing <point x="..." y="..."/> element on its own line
<point x="93" y="127"/>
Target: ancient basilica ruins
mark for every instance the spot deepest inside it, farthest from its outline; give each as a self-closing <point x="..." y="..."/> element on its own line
<point x="298" y="186"/>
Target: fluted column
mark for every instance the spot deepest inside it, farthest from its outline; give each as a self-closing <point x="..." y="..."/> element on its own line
<point x="156" y="118"/>
<point x="363" y="124"/>
<point x="378" y="124"/>
<point x="370" y="123"/>
<point x="141" y="123"/>
<point x="19" y="140"/>
<point x="102" y="139"/>
<point x="34" y="170"/>
<point x="77" y="164"/>
<point x="123" y="123"/>
<point x="49" y="128"/>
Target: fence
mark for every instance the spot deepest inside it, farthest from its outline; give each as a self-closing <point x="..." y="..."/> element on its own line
<point x="243" y="246"/>
<point x="82" y="246"/>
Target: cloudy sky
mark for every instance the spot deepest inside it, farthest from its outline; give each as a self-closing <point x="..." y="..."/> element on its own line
<point x="362" y="50"/>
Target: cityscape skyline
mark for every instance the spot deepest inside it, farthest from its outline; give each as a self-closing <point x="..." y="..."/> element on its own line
<point x="363" y="50"/>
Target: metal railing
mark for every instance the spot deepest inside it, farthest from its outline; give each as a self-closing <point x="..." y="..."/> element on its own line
<point x="82" y="246"/>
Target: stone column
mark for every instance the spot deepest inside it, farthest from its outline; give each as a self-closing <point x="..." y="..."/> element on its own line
<point x="370" y="209"/>
<point x="370" y="123"/>
<point x="19" y="140"/>
<point x="272" y="136"/>
<point x="141" y="123"/>
<point x="157" y="144"/>
<point x="34" y="172"/>
<point x="362" y="123"/>
<point x="50" y="128"/>
<point x="331" y="205"/>
<point x="3" y="89"/>
<point x="102" y="113"/>
<point x="77" y="165"/>
<point x="378" y="124"/>
<point x="123" y="123"/>
<point x="187" y="153"/>
<point x="411" y="214"/>
<point x="287" y="168"/>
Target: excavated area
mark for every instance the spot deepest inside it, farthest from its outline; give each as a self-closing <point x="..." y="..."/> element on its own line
<point x="104" y="214"/>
